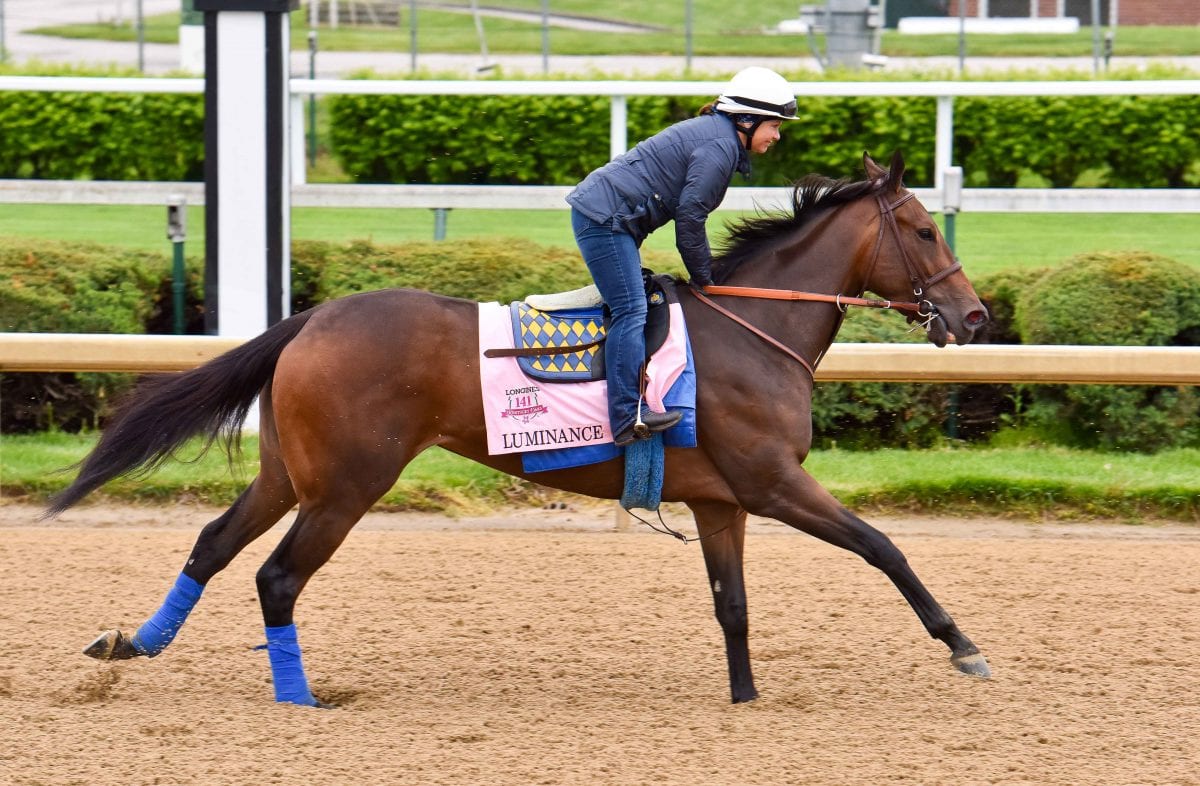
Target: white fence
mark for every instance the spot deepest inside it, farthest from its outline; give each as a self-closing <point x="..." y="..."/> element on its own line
<point x="617" y="91"/>
<point x="973" y="200"/>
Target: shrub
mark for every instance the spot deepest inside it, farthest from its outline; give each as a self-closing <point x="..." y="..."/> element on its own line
<point x="1126" y="141"/>
<point x="1128" y="298"/>
<point x="70" y="288"/>
<point x="501" y="270"/>
<point x="487" y="139"/>
<point x="101" y="136"/>
<point x="999" y="293"/>
<point x="870" y="414"/>
<point x="1124" y="299"/>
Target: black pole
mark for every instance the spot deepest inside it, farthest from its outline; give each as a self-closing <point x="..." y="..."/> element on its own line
<point x="212" y="185"/>
<point x="177" y="233"/>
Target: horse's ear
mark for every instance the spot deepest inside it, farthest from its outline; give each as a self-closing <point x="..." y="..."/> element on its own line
<point x="896" y="175"/>
<point x="875" y="173"/>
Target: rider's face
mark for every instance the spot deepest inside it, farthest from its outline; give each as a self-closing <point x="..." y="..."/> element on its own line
<point x="765" y="135"/>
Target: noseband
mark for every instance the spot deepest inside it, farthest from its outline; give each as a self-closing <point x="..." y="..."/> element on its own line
<point x="923" y="310"/>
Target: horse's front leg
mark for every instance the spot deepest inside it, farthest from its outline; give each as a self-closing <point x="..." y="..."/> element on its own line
<point x="722" y="528"/>
<point x="796" y="499"/>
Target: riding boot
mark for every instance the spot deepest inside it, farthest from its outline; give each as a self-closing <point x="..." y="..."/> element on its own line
<point x="651" y="423"/>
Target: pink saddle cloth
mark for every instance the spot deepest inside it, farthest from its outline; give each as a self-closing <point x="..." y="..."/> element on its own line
<point x="524" y="414"/>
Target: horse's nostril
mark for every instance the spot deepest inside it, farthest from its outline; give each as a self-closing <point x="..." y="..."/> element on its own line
<point x="976" y="318"/>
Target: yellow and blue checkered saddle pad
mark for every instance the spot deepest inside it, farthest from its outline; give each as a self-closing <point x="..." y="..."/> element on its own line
<point x="534" y="329"/>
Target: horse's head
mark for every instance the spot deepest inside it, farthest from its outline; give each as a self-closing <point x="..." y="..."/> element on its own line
<point x="849" y="237"/>
<point x="911" y="261"/>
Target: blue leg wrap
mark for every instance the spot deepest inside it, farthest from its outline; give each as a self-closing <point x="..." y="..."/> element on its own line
<point x="287" y="672"/>
<point x="158" y="631"/>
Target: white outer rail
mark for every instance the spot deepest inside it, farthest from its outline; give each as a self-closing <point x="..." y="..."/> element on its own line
<point x="974" y="200"/>
<point x="612" y="87"/>
<point x="41" y="352"/>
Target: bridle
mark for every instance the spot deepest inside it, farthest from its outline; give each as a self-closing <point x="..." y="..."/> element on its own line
<point x="920" y="282"/>
<point x="921" y="309"/>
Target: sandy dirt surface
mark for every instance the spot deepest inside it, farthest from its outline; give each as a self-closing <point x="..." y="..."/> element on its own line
<point x="549" y="647"/>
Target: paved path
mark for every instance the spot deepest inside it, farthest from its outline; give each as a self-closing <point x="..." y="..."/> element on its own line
<point x="23" y="15"/>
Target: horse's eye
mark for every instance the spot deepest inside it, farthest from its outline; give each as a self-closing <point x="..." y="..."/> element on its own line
<point x="925" y="233"/>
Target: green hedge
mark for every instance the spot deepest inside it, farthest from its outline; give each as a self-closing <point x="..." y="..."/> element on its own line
<point x="71" y="288"/>
<point x="101" y="136"/>
<point x="1118" y="141"/>
<point x="1129" y="298"/>
<point x="503" y="270"/>
<point x="1124" y="141"/>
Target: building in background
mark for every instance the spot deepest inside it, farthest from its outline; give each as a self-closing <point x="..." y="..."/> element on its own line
<point x="1124" y="12"/>
<point x="1112" y="12"/>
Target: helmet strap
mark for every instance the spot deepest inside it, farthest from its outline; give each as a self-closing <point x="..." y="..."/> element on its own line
<point x="754" y="124"/>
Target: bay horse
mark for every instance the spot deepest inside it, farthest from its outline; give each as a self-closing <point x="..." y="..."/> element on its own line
<point x="352" y="390"/>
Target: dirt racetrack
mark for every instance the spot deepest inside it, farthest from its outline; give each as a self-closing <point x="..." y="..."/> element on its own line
<point x="545" y="647"/>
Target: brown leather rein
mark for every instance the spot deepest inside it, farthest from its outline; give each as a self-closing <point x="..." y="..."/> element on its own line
<point x="917" y="309"/>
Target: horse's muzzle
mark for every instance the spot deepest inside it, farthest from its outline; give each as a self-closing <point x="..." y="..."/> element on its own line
<point x="971" y="323"/>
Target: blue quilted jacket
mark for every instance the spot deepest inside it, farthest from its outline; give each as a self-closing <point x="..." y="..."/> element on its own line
<point x="680" y="173"/>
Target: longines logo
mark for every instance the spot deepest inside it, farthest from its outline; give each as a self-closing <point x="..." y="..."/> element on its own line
<point x="523" y="404"/>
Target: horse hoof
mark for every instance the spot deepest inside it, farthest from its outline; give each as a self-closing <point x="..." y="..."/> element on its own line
<point x="743" y="697"/>
<point x="974" y="665"/>
<point x="111" y="645"/>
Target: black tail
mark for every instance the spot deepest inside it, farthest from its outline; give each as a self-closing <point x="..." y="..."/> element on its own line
<point x="164" y="411"/>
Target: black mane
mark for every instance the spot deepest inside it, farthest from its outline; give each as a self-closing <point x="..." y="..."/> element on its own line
<point x="810" y="195"/>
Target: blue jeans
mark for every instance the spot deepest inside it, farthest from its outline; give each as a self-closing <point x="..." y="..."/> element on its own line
<point x="613" y="259"/>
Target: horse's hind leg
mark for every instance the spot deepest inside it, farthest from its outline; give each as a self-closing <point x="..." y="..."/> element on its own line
<point x="338" y="480"/>
<point x="320" y="528"/>
<point x="722" y="528"/>
<point x="802" y="503"/>
<point x="256" y="510"/>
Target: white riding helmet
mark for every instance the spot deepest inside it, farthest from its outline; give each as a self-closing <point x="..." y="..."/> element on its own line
<point x="758" y="91"/>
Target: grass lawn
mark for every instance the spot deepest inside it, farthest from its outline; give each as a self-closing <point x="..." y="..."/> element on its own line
<point x="1015" y="481"/>
<point x="33" y="466"/>
<point x="986" y="242"/>
<point x="717" y="29"/>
